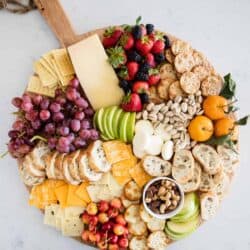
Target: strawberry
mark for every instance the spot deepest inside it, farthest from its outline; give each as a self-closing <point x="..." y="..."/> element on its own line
<point x="127" y="41"/>
<point x="158" y="47"/>
<point x="150" y="60"/>
<point x="144" y="45"/>
<point x="123" y="73"/>
<point x="111" y="37"/>
<point x="143" y="30"/>
<point x="140" y="87"/>
<point x="132" y="103"/>
<point x="154" y="76"/>
<point x="132" y="68"/>
<point x="117" y="56"/>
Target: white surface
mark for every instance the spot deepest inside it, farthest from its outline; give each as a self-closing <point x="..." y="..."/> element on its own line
<point x="218" y="28"/>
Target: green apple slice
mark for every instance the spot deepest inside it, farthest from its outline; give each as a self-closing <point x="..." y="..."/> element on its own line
<point x="99" y="119"/>
<point x="187" y="217"/>
<point x="111" y="117"/>
<point x="123" y="127"/>
<point x="175" y="236"/>
<point x="116" y="120"/>
<point x="131" y="126"/>
<point x="107" y="133"/>
<point x="182" y="228"/>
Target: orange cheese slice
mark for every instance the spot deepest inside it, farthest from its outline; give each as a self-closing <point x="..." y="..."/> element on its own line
<point x="73" y="199"/>
<point x="62" y="194"/>
<point x="139" y="175"/>
<point x="116" y="151"/>
<point x="82" y="192"/>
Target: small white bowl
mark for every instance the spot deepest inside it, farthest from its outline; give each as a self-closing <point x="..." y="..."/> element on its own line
<point x="169" y="214"/>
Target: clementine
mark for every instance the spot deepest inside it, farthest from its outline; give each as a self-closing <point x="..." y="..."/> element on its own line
<point x="215" y="107"/>
<point x="224" y="126"/>
<point x="201" y="128"/>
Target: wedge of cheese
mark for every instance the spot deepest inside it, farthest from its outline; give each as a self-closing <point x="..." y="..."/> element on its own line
<point x="96" y="75"/>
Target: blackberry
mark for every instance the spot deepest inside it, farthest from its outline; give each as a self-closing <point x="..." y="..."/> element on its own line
<point x="159" y="58"/>
<point x="144" y="67"/>
<point x="137" y="32"/>
<point x="141" y="76"/>
<point x="124" y="85"/>
<point x="134" y="56"/>
<point x="144" y="98"/>
<point x="149" y="28"/>
<point x="166" y="41"/>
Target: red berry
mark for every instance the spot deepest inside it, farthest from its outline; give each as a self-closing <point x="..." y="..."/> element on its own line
<point x="132" y="103"/>
<point x="154" y="79"/>
<point x="158" y="47"/>
<point x="140" y="87"/>
<point x="113" y="212"/>
<point x="111" y="37"/>
<point x="120" y="220"/>
<point x="85" y="218"/>
<point x="103" y="217"/>
<point x="118" y="229"/>
<point x="92" y="208"/>
<point x="93" y="220"/>
<point x="103" y="206"/>
<point x="113" y="247"/>
<point x="127" y="41"/>
<point x="132" y="68"/>
<point x="150" y="60"/>
<point x="123" y="242"/>
<point x="116" y="203"/>
<point x="144" y="45"/>
<point x="85" y="235"/>
<point x="113" y="238"/>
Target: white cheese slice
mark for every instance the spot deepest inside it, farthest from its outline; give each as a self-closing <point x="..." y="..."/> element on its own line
<point x="72" y="227"/>
<point x="50" y="215"/>
<point x="96" y="75"/>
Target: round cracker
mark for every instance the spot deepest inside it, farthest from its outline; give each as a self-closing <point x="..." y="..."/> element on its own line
<point x="201" y="72"/>
<point x="179" y="46"/>
<point x="163" y="87"/>
<point x="138" y="229"/>
<point x="169" y="56"/>
<point x="175" y="90"/>
<point x="153" y="95"/>
<point x="212" y="85"/>
<point x="138" y="243"/>
<point x="132" y="191"/>
<point x="190" y="83"/>
<point x="132" y="214"/>
<point x="145" y="216"/>
<point x="167" y="71"/>
<point x="184" y="62"/>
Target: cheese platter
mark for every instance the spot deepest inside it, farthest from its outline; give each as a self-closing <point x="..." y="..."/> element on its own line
<point x="126" y="137"/>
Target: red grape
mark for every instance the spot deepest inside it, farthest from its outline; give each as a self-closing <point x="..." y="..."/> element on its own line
<point x="74" y="83"/>
<point x="61" y="100"/>
<point x="30" y="132"/>
<point x="57" y="117"/>
<point x="79" y="115"/>
<point x="81" y="103"/>
<point x="52" y="141"/>
<point x="24" y="149"/>
<point x="27" y="106"/>
<point x="62" y="149"/>
<point x="44" y="115"/>
<point x="71" y="94"/>
<point x="94" y="135"/>
<point x="63" y="142"/>
<point x="89" y="111"/>
<point x="17" y="102"/>
<point x="63" y="130"/>
<point x="55" y="107"/>
<point x="71" y="137"/>
<point x="36" y="124"/>
<point x="37" y="99"/>
<point x="50" y="128"/>
<point x="44" y="104"/>
<point x="32" y="115"/>
<point x="72" y="148"/>
<point x="79" y="142"/>
<point x="18" y="125"/>
<point x="85" y="134"/>
<point x="59" y="92"/>
<point x="85" y="124"/>
<point x="13" y="134"/>
<point x="75" y="125"/>
<point x="26" y="98"/>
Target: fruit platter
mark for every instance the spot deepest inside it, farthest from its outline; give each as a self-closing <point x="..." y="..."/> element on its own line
<point x="127" y="138"/>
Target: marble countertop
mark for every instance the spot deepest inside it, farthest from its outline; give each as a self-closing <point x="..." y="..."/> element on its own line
<point x="218" y="28"/>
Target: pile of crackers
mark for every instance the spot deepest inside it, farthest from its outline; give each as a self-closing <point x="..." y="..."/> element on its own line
<point x="52" y="70"/>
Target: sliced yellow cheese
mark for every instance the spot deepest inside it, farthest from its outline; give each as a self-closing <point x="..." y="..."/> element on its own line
<point x="116" y="151"/>
<point x="73" y="199"/>
<point x="62" y="194"/>
<point x="82" y="192"/>
<point x="94" y="72"/>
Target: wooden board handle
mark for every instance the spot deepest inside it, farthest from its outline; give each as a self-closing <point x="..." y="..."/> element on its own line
<point x="58" y="21"/>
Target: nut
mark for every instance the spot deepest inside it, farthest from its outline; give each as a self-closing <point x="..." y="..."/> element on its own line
<point x="150" y="106"/>
<point x="145" y="115"/>
<point x="162" y="191"/>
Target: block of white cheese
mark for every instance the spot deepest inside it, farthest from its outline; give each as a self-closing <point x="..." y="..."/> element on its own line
<point x="96" y="75"/>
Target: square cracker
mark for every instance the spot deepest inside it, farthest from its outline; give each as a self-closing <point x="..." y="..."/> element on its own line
<point x="116" y="151"/>
<point x="45" y="76"/>
<point x="63" y="62"/>
<point x="35" y="86"/>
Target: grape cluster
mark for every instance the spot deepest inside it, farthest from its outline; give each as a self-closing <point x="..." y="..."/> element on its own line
<point x="64" y="121"/>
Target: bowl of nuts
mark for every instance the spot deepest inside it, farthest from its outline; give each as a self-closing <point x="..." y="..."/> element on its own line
<point x="163" y="197"/>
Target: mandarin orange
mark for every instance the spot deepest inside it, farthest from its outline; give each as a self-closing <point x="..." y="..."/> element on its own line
<point x="224" y="126"/>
